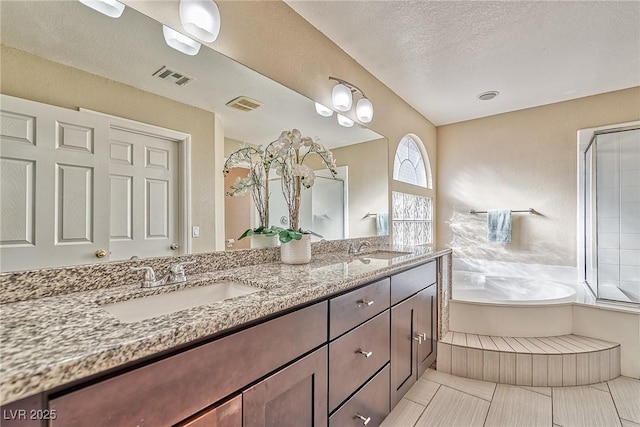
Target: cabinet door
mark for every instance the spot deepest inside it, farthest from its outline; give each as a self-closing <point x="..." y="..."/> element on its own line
<point x="295" y="396"/>
<point x="403" y="362"/>
<point x="426" y="321"/>
<point x="227" y="414"/>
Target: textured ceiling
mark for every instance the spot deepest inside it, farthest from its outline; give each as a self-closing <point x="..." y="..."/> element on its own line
<point x="131" y="48"/>
<point x="439" y="55"/>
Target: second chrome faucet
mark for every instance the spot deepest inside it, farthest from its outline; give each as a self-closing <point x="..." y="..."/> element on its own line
<point x="175" y="274"/>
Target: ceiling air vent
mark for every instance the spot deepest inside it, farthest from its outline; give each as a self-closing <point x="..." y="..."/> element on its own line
<point x="173" y="76"/>
<point x="244" y="103"/>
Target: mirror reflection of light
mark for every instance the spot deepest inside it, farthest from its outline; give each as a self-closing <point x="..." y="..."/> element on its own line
<point x="180" y="42"/>
<point x="323" y="111"/>
<point x="111" y="8"/>
<point x="344" y="121"/>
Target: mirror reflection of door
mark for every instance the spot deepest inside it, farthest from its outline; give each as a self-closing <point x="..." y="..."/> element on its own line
<point x="144" y="179"/>
<point x="238" y="213"/>
<point x="77" y="190"/>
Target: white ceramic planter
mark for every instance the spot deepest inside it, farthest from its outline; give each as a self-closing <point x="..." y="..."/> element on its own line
<point x="296" y="251"/>
<point x="263" y="241"/>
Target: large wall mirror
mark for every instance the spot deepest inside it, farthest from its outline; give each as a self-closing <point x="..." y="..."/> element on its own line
<point x="165" y="112"/>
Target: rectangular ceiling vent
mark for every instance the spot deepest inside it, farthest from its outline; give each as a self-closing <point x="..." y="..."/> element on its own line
<point x="173" y="76"/>
<point x="244" y="103"/>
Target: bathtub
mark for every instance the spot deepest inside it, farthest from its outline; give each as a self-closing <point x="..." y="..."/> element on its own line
<point x="479" y="287"/>
<point x="511" y="283"/>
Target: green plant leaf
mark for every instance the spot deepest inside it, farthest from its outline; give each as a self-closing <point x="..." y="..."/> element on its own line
<point x="284" y="236"/>
<point x="246" y="233"/>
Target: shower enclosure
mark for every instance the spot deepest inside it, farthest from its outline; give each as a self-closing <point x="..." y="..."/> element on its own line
<point x="612" y="214"/>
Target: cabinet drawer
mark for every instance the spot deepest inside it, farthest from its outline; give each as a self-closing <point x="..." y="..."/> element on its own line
<point x="351" y="309"/>
<point x="172" y="389"/>
<point x="371" y="402"/>
<point x="409" y="282"/>
<point x="354" y="357"/>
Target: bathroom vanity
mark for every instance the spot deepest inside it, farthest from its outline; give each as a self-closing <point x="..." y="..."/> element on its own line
<point x="338" y="347"/>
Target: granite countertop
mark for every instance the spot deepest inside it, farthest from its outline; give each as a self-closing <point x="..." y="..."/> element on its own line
<point x="47" y="342"/>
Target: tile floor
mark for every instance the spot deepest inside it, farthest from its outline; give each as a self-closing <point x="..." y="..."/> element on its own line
<point x="440" y="399"/>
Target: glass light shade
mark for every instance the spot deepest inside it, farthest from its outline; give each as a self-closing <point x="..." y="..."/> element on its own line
<point x="341" y="97"/>
<point x="200" y="18"/>
<point x="180" y="42"/>
<point x="364" y="110"/>
<point x="110" y="8"/>
<point x="344" y="121"/>
<point x="323" y="111"/>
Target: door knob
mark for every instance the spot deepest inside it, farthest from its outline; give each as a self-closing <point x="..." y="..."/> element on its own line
<point x="418" y="338"/>
<point x="101" y="253"/>
<point x="174" y="246"/>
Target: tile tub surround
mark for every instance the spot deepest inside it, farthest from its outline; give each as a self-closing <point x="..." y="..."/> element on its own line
<point x="31" y="284"/>
<point x="54" y="340"/>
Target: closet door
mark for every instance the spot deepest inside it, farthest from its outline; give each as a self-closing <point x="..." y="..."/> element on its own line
<point x="54" y="178"/>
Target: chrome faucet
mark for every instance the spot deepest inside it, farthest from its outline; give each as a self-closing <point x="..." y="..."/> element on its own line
<point x="175" y="274"/>
<point x="355" y="251"/>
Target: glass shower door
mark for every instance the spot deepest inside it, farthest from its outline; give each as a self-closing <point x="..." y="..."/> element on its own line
<point x="612" y="215"/>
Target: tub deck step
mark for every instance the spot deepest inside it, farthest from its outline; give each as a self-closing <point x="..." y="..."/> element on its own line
<point x="566" y="360"/>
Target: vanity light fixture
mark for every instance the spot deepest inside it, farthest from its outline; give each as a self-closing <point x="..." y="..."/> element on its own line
<point x="342" y="98"/>
<point x="111" y="8"/>
<point x="200" y="18"/>
<point x="344" y="121"/>
<point x="180" y="42"/>
<point x="364" y="110"/>
<point x="323" y="111"/>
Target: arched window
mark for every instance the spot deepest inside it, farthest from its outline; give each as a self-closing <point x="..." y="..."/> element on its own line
<point x="411" y="164"/>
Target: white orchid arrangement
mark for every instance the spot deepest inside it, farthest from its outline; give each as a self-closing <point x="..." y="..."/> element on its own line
<point x="256" y="182"/>
<point x="287" y="154"/>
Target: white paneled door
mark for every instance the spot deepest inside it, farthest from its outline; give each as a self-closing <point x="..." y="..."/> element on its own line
<point x="76" y="189"/>
<point x="144" y="195"/>
<point x="54" y="175"/>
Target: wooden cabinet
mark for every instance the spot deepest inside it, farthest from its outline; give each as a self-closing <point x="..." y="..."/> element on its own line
<point x="359" y="355"/>
<point x="369" y="406"/>
<point x="413" y="328"/>
<point x="172" y="389"/>
<point x="226" y="414"/>
<point x="356" y="356"/>
<point x="340" y="362"/>
<point x="295" y="396"/>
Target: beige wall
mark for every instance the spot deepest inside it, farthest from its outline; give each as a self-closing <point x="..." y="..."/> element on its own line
<point x="30" y="77"/>
<point x="368" y="183"/>
<point x="520" y="160"/>
<point x="269" y="37"/>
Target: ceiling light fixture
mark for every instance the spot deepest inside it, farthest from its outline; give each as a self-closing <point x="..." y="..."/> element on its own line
<point x="111" y="8"/>
<point x="487" y="96"/>
<point x="200" y="18"/>
<point x="180" y="42"/>
<point x="323" y="111"/>
<point x="342" y="98"/>
<point x="344" y="121"/>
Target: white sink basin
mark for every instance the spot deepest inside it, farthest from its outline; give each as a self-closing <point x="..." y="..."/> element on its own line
<point x="384" y="254"/>
<point x="134" y="310"/>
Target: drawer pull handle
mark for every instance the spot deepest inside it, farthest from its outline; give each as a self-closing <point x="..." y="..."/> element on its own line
<point x="365" y="353"/>
<point x="365" y="420"/>
<point x="364" y="303"/>
<point x="418" y="338"/>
